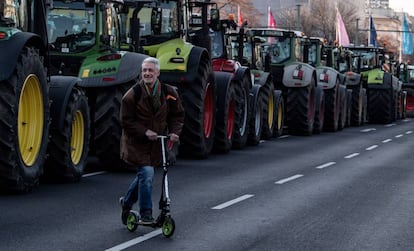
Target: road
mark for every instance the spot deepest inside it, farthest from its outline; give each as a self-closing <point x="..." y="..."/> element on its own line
<point x="349" y="190"/>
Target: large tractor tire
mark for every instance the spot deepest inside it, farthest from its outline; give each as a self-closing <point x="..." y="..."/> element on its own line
<point x="197" y="137"/>
<point x="106" y="129"/>
<point x="343" y="106"/>
<point x="279" y="116"/>
<point x="226" y="100"/>
<point x="241" y="113"/>
<point x="268" y="115"/>
<point x="301" y="110"/>
<point x="69" y="146"/>
<point x="24" y="126"/>
<point x="332" y="106"/>
<point x="319" y="111"/>
<point x="357" y="106"/>
<point x="380" y="106"/>
<point x="256" y="116"/>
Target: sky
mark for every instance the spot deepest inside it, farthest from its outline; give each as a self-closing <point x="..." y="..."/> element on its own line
<point x="402" y="5"/>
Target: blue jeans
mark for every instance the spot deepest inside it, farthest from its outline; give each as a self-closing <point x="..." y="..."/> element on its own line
<point x="141" y="188"/>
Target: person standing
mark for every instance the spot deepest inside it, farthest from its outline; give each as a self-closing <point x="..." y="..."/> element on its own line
<point x="148" y="109"/>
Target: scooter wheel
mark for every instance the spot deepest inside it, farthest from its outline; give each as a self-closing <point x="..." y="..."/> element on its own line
<point x="168" y="227"/>
<point x="132" y="221"/>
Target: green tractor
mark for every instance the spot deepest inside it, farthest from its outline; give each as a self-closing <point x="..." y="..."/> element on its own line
<point x="282" y="56"/>
<point x="343" y="60"/>
<point x="267" y="104"/>
<point x="385" y="98"/>
<point x="85" y="41"/>
<point x="37" y="107"/>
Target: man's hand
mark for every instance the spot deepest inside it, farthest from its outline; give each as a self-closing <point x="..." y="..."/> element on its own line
<point x="151" y="135"/>
<point x="174" y="137"/>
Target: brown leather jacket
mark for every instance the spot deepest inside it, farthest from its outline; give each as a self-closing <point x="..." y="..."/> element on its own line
<point x="137" y="116"/>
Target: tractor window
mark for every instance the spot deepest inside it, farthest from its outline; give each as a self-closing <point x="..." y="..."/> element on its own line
<point x="368" y="60"/>
<point x="279" y="50"/>
<point x="14" y="13"/>
<point x="411" y="76"/>
<point x="71" y="30"/>
<point x="312" y="54"/>
<point x="217" y="49"/>
<point x="159" y="24"/>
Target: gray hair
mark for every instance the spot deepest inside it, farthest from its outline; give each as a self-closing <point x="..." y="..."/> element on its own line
<point x="152" y="60"/>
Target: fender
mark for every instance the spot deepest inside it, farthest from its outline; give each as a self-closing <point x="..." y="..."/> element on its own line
<point x="298" y="74"/>
<point x="194" y="59"/>
<point x="326" y="77"/>
<point x="10" y="51"/>
<point x="125" y="72"/>
<point x="241" y="72"/>
<point x="60" y="90"/>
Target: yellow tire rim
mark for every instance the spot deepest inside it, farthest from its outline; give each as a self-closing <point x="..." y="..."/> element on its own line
<point x="77" y="139"/>
<point x="271" y="111"/>
<point x="30" y="120"/>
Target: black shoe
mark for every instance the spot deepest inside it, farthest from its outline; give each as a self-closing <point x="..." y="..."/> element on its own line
<point x="125" y="211"/>
<point x="146" y="218"/>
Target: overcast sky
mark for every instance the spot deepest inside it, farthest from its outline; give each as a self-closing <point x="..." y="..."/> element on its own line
<point x="403" y="5"/>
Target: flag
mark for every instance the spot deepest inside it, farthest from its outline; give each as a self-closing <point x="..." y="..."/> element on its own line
<point x="341" y="34"/>
<point x="239" y="16"/>
<point x="372" y="32"/>
<point x="271" y="23"/>
<point x="407" y="38"/>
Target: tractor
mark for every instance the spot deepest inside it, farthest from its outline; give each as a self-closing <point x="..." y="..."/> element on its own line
<point x="385" y="98"/>
<point x="279" y="53"/>
<point x="44" y="125"/>
<point x="406" y="73"/>
<point x="85" y="41"/>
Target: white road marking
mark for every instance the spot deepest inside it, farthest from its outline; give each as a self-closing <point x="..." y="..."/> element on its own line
<point x="232" y="202"/>
<point x="280" y="182"/>
<point x="135" y="241"/>
<point x="368" y="130"/>
<point x="93" y="174"/>
<point x="386" y="140"/>
<point x="371" y="147"/>
<point x="325" y="165"/>
<point x="399" y="136"/>
<point x="283" y="137"/>
<point x="351" y="155"/>
<point x="389" y="125"/>
<point x="406" y="120"/>
<point x="408" y="132"/>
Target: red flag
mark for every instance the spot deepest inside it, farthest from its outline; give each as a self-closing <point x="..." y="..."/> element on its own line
<point x="239" y="16"/>
<point x="271" y="23"/>
<point x="341" y="34"/>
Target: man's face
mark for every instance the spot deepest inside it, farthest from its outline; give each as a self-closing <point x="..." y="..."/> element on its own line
<point x="149" y="73"/>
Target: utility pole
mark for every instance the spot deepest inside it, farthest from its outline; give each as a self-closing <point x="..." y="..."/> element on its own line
<point x="357" y="32"/>
<point x="298" y="18"/>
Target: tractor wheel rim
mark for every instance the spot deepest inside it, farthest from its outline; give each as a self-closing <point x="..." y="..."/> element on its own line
<point x="271" y="111"/>
<point x="230" y="120"/>
<point x="208" y="111"/>
<point x="77" y="139"/>
<point x="30" y="120"/>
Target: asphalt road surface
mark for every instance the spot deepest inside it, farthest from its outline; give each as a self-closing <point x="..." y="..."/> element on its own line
<point x="349" y="190"/>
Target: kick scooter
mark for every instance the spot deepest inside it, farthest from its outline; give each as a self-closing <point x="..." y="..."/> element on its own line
<point x="164" y="220"/>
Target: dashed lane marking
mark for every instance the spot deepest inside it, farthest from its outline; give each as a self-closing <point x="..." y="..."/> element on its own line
<point x="135" y="241"/>
<point x="368" y="130"/>
<point x="234" y="201"/>
<point x="386" y="140"/>
<point x="325" y="165"/>
<point x="371" y="147"/>
<point x="93" y="174"/>
<point x="351" y="155"/>
<point x="408" y="132"/>
<point x="399" y="136"/>
<point x="294" y="177"/>
<point x="389" y="125"/>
